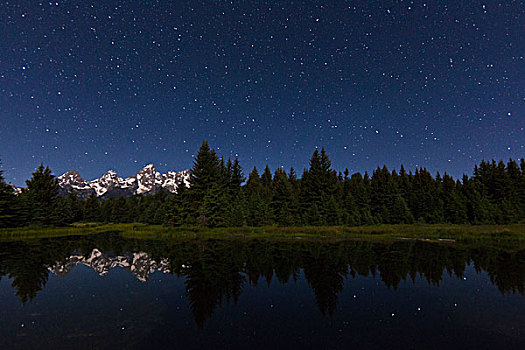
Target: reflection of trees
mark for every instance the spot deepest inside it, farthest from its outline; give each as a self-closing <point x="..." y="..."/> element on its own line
<point x="326" y="282"/>
<point x="26" y="265"/>
<point x="214" y="276"/>
<point x="325" y="269"/>
<point x="216" y="270"/>
<point x="506" y="270"/>
<point x="28" y="280"/>
<point x="27" y="262"/>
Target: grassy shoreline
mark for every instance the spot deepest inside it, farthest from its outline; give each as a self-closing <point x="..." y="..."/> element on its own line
<point x="440" y="232"/>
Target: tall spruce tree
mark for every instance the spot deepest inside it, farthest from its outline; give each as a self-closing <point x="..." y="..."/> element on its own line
<point x="208" y="188"/>
<point x="206" y="172"/>
<point x="236" y="178"/>
<point x="92" y="211"/>
<point x="264" y="208"/>
<point x="318" y="184"/>
<point x="253" y="194"/>
<point x="359" y="187"/>
<point x="7" y="201"/>
<point x="293" y="205"/>
<point x="282" y="198"/>
<point x="67" y="209"/>
<point x="520" y="191"/>
<point x="42" y="191"/>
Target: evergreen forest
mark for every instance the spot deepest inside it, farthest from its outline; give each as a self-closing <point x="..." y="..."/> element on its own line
<point x="220" y="194"/>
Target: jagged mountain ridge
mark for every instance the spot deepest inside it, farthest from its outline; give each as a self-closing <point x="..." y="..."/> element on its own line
<point x="16" y="190"/>
<point x="146" y="181"/>
<point x="140" y="264"/>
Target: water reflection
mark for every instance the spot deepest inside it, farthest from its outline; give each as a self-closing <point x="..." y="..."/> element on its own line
<point x="140" y="264"/>
<point x="217" y="270"/>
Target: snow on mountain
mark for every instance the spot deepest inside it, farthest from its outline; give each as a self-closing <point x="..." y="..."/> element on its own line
<point x="140" y="264"/>
<point x="16" y="190"/>
<point x="146" y="181"/>
<point x="109" y="180"/>
<point x="72" y="181"/>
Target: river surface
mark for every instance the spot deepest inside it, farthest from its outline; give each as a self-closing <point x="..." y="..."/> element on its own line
<point x="105" y="291"/>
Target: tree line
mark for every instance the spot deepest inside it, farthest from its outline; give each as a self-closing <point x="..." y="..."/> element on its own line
<point x="220" y="195"/>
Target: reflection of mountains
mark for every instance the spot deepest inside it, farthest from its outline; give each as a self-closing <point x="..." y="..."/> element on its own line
<point x="140" y="264"/>
<point x="217" y="270"/>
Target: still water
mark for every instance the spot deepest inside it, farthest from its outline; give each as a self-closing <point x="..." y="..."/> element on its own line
<point x="105" y="291"/>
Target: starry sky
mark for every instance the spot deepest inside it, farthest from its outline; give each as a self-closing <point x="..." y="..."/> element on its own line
<point x="98" y="85"/>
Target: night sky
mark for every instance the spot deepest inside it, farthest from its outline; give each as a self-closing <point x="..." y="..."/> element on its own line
<point x="98" y="85"/>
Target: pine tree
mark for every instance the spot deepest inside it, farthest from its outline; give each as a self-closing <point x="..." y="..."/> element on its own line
<point x="236" y="213"/>
<point x="105" y="209"/>
<point x="318" y="184"/>
<point x="7" y="201"/>
<point x="455" y="210"/>
<point x="206" y="172"/>
<point x="236" y="178"/>
<point x="313" y="216"/>
<point x="119" y="210"/>
<point x="385" y="196"/>
<point x="479" y="208"/>
<point x="293" y="204"/>
<point x="212" y="210"/>
<point x="42" y="191"/>
<point x="264" y="213"/>
<point x="292" y="178"/>
<point x="160" y="213"/>
<point x="173" y="207"/>
<point x="148" y="214"/>
<point x="399" y="212"/>
<point x="424" y="202"/>
<point x="312" y="183"/>
<point x="508" y="212"/>
<point x="92" y="209"/>
<point x="67" y="210"/>
<point x="178" y="208"/>
<point x="520" y="191"/>
<point x="132" y="209"/>
<point x="281" y="198"/>
<point x="333" y="214"/>
<point x="350" y="214"/>
<point x="359" y="187"/>
<point x="252" y="192"/>
<point x="266" y="178"/>
<point x="208" y="193"/>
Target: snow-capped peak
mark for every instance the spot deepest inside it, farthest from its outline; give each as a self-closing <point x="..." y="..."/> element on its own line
<point x="16" y="190"/>
<point x="72" y="181"/>
<point x="147" y="180"/>
<point x="71" y="175"/>
<point x="110" y="174"/>
<point x="140" y="264"/>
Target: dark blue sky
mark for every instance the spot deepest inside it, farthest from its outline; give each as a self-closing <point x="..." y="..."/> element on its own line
<point x="98" y="85"/>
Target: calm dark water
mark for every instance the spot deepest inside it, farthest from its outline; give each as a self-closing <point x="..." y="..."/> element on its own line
<point x="106" y="292"/>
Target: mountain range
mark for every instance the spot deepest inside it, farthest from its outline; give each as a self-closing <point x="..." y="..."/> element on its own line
<point x="146" y="181"/>
<point x="140" y="264"/>
<point x="110" y="185"/>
